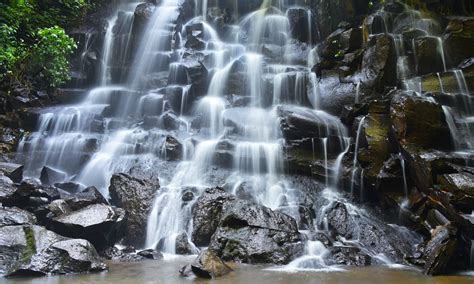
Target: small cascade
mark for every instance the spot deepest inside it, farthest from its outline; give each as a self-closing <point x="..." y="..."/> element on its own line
<point x="355" y="162"/>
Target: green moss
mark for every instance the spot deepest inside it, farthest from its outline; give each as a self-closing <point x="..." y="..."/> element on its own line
<point x="30" y="249"/>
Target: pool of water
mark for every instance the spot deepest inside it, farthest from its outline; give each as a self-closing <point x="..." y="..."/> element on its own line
<point x="166" y="271"/>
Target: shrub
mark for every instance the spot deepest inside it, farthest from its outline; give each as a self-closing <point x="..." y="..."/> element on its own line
<point x="50" y="55"/>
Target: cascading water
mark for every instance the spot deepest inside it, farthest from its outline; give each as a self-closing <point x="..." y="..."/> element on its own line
<point x="126" y="124"/>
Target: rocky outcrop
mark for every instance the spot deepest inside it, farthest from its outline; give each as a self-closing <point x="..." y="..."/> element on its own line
<point x="136" y="197"/>
<point x="100" y="224"/>
<point x="207" y="265"/>
<point x="33" y="250"/>
<point x="207" y="213"/>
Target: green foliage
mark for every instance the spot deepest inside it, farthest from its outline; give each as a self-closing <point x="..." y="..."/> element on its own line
<point x="50" y="55"/>
<point x="33" y="45"/>
<point x="12" y="51"/>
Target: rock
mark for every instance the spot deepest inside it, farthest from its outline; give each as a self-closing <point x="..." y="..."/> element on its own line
<point x="427" y="56"/>
<point x="136" y="197"/>
<point x="207" y="213"/>
<point x="7" y="192"/>
<point x="458" y="37"/>
<point x="150" y="254"/>
<point x="86" y="197"/>
<point x="379" y="65"/>
<point x="419" y="123"/>
<point x="209" y="265"/>
<point x="57" y="208"/>
<point x="33" y="250"/>
<point x="251" y="233"/>
<point x="69" y="187"/>
<point x="351" y="256"/>
<point x="297" y="123"/>
<point x="10" y="216"/>
<point x="100" y="224"/>
<point x="440" y="250"/>
<point x="183" y="246"/>
<point x="49" y="176"/>
<point x="370" y="233"/>
<point x="461" y="187"/>
<point x="172" y="149"/>
<point x="17" y="175"/>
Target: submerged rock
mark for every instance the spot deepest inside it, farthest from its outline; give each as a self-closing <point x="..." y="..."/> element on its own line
<point x="33" y="250"/>
<point x="209" y="265"/>
<point x="100" y="224"/>
<point x="136" y="197"/>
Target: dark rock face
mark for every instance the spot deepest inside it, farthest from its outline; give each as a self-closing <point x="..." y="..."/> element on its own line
<point x="243" y="231"/>
<point x="33" y="250"/>
<point x="50" y="176"/>
<point x="418" y="122"/>
<point x="369" y="233"/>
<point x="136" y="197"/>
<point x="207" y="213"/>
<point x="351" y="256"/>
<point x="255" y="234"/>
<point x="440" y="250"/>
<point x="209" y="265"/>
<point x="100" y="224"/>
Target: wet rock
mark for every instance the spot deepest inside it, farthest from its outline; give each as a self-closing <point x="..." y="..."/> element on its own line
<point x="351" y="256"/>
<point x="69" y="187"/>
<point x="10" y="216"/>
<point x="169" y="121"/>
<point x="427" y="56"/>
<point x="207" y="213"/>
<point x="17" y="175"/>
<point x="209" y="265"/>
<point x="172" y="149"/>
<point x="379" y="66"/>
<point x="86" y="197"/>
<point x="458" y="38"/>
<point x="255" y="234"/>
<point x="150" y="254"/>
<point x="440" y="250"/>
<point x="183" y="246"/>
<point x="419" y="123"/>
<point x="100" y="224"/>
<point x="298" y="123"/>
<point x="7" y="192"/>
<point x="49" y="176"/>
<point x="370" y="233"/>
<point x="57" y="208"/>
<point x="136" y="197"/>
<point x="33" y="250"/>
<point x="300" y="20"/>
<point x="461" y="187"/>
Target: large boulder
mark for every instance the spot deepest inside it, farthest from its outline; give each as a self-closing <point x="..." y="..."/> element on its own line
<point x="209" y="265"/>
<point x="458" y="39"/>
<point x="440" y="250"/>
<point x="33" y="250"/>
<point x="207" y="213"/>
<point x="379" y="63"/>
<point x="100" y="224"/>
<point x="10" y="216"/>
<point x="370" y="233"/>
<point x="252" y="233"/>
<point x="136" y="197"/>
<point x="419" y="123"/>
